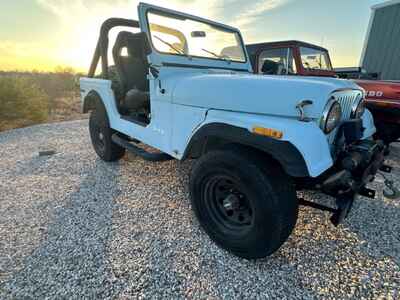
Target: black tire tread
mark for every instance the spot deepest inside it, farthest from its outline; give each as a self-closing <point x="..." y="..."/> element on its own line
<point x="113" y="151"/>
<point x="271" y="174"/>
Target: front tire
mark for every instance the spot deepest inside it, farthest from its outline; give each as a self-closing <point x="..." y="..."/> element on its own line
<point x="246" y="206"/>
<point x="101" y="133"/>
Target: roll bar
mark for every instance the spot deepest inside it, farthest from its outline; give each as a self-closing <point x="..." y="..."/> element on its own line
<point x="102" y="45"/>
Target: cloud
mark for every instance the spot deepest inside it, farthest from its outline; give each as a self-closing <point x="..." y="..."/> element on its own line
<point x="239" y="13"/>
<point x="257" y="10"/>
<point x="245" y="12"/>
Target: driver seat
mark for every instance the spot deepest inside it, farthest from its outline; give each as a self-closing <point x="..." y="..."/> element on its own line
<point x="132" y="71"/>
<point x="270" y="67"/>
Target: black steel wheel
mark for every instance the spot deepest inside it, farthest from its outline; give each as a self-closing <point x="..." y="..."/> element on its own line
<point x="100" y="134"/>
<point x="227" y="203"/>
<point x="98" y="138"/>
<point x="244" y="202"/>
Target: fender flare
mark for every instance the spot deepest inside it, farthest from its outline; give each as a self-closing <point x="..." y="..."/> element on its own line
<point x="91" y="100"/>
<point x="284" y="152"/>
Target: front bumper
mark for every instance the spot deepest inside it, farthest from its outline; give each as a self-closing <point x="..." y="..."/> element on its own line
<point x="355" y="167"/>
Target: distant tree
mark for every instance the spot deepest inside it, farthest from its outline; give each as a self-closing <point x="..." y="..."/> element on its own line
<point x="64" y="70"/>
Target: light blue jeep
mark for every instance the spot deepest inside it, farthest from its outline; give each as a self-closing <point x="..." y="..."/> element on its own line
<point x="184" y="85"/>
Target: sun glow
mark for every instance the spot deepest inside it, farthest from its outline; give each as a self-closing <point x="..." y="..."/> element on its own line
<point x="82" y="46"/>
<point x="81" y="28"/>
<point x="78" y="24"/>
<point x="80" y="39"/>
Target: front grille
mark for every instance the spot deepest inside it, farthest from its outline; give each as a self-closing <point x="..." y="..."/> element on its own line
<point x="346" y="98"/>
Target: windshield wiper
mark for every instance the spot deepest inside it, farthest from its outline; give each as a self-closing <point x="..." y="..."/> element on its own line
<point x="170" y="45"/>
<point x="212" y="53"/>
<point x="223" y="57"/>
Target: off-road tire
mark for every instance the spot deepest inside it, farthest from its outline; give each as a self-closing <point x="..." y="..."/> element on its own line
<point x="101" y="133"/>
<point x="268" y="190"/>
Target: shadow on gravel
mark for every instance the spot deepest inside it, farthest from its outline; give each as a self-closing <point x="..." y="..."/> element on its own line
<point x="198" y="269"/>
<point x="377" y="223"/>
<point x="72" y="261"/>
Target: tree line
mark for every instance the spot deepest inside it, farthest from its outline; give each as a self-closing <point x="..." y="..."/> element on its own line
<point x="28" y="98"/>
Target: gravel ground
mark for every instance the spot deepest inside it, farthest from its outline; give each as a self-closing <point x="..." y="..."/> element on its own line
<point x="72" y="226"/>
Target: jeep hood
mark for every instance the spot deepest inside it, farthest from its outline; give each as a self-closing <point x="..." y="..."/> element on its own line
<point x="258" y="94"/>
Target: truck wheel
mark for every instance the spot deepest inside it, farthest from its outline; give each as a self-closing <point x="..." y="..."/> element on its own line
<point x="247" y="206"/>
<point x="100" y="134"/>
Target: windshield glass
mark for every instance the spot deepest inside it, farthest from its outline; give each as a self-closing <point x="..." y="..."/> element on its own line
<point x="315" y="59"/>
<point x="181" y="36"/>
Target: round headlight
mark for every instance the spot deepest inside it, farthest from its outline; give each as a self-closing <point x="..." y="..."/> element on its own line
<point x="358" y="109"/>
<point x="331" y="116"/>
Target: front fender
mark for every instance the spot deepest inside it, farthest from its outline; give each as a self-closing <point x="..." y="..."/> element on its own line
<point x="303" y="151"/>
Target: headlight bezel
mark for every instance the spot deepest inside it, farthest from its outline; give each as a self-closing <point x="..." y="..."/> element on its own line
<point x="326" y="114"/>
<point x="360" y="104"/>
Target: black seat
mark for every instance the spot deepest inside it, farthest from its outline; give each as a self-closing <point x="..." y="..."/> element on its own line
<point x="132" y="71"/>
<point x="270" y="67"/>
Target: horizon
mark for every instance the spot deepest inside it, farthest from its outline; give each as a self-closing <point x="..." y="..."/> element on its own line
<point x="48" y="34"/>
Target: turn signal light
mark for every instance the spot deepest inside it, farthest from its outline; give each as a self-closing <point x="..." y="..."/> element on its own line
<point x="268" y="132"/>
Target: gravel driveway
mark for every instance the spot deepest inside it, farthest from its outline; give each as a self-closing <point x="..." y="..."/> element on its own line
<point x="72" y="226"/>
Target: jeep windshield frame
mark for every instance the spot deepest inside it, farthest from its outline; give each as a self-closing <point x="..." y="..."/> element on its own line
<point x="186" y="40"/>
<point x="182" y="36"/>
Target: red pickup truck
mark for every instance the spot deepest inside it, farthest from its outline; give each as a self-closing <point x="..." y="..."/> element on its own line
<point x="304" y="59"/>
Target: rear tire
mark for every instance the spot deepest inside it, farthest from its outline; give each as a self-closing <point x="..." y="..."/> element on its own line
<point x="246" y="206"/>
<point x="101" y="133"/>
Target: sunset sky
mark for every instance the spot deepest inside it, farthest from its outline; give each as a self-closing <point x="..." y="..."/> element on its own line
<point x="43" y="34"/>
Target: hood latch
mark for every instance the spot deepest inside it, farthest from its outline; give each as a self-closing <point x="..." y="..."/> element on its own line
<point x="300" y="107"/>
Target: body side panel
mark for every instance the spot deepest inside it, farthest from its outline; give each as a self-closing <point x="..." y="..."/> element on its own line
<point x="185" y="121"/>
<point x="156" y="134"/>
